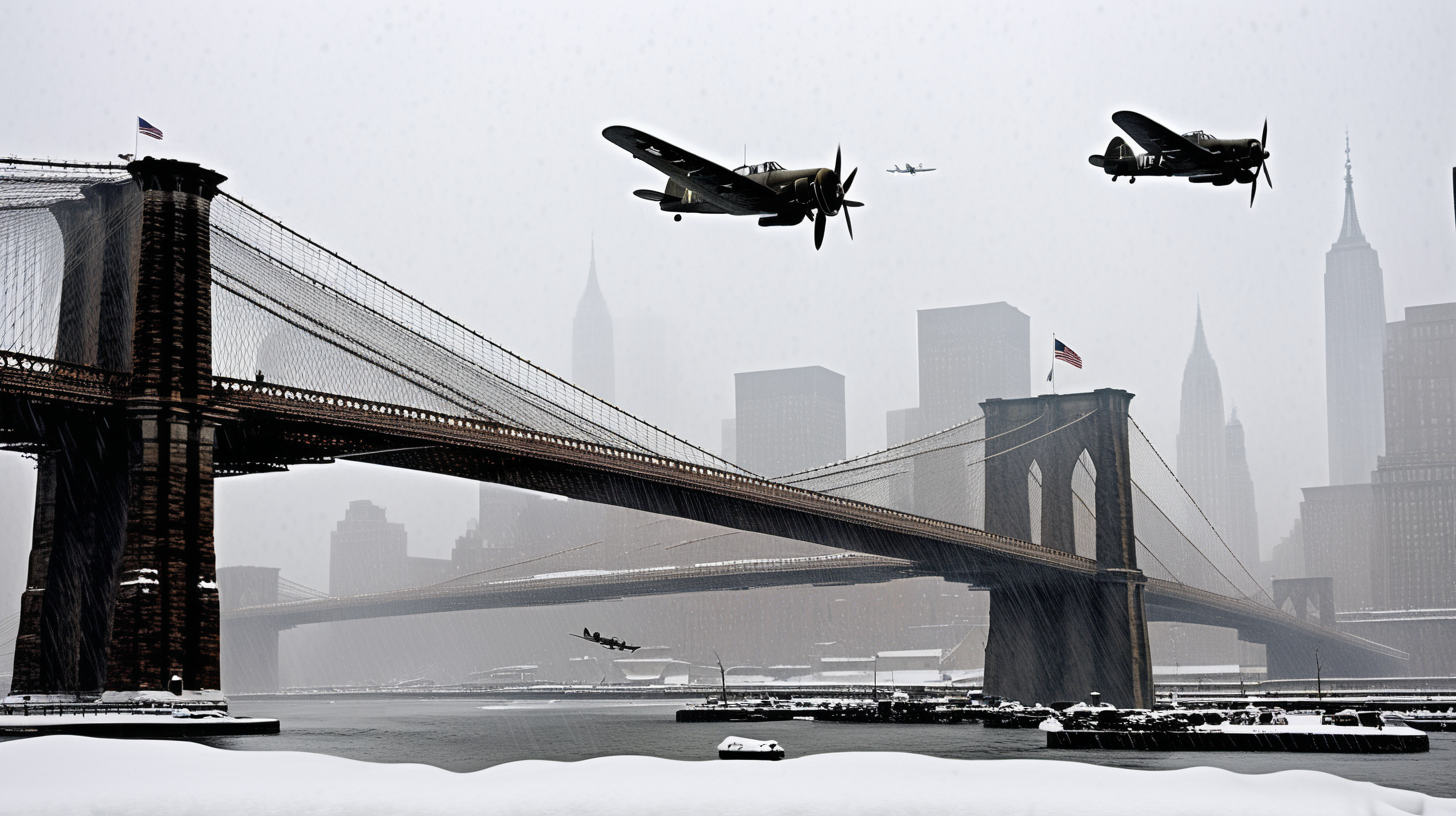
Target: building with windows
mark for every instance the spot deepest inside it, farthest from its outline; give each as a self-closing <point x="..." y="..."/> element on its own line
<point x="1415" y="484"/>
<point x="789" y="419"/>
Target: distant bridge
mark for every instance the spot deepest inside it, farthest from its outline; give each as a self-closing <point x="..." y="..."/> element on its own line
<point x="144" y="297"/>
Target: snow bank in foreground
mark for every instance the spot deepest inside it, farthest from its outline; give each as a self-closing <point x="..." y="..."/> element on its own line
<point x="80" y="775"/>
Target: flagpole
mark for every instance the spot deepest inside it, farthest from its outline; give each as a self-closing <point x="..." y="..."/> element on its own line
<point x="1054" y="364"/>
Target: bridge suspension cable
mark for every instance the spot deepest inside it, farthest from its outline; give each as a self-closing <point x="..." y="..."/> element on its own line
<point x="304" y="316"/>
<point x="1178" y="534"/>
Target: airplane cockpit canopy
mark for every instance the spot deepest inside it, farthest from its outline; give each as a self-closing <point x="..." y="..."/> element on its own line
<point x="754" y="169"/>
<point x="1198" y="137"/>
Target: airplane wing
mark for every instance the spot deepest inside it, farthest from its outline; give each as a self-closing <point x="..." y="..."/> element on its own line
<point x="715" y="184"/>
<point x="1178" y="153"/>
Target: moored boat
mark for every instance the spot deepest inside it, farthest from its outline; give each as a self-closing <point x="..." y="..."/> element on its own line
<point x="742" y="748"/>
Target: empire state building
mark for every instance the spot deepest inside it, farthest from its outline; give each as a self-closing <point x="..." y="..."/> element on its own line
<point x="1354" y="348"/>
<point x="593" y="359"/>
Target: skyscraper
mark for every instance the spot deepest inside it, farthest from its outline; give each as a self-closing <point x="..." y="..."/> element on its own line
<point x="367" y="552"/>
<point x="789" y="420"/>
<point x="1415" y="485"/>
<point x="1241" y="520"/>
<point x="1354" y="348"/>
<point x="1202" y="450"/>
<point x="901" y="426"/>
<point x="969" y="354"/>
<point x="1339" y="541"/>
<point x="593" y="366"/>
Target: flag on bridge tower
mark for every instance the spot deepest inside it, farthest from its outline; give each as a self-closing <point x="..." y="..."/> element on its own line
<point x="1064" y="352"/>
<point x="143" y="126"/>
<point x="1061" y="351"/>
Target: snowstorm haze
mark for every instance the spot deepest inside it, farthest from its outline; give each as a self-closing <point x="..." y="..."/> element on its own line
<point x="456" y="152"/>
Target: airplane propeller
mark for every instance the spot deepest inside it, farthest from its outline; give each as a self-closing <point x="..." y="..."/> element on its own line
<point x="1269" y="180"/>
<point x="828" y="197"/>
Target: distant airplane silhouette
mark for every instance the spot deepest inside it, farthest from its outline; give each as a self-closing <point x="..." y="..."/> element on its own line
<point x="609" y="642"/>
<point x="895" y="168"/>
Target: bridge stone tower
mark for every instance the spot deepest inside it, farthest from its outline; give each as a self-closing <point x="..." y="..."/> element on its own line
<point x="1060" y="636"/>
<point x="121" y="593"/>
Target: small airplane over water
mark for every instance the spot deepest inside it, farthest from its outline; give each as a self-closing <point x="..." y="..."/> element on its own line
<point x="609" y="642"/>
<point x="1197" y="156"/>
<point x="779" y="197"/>
<point x="895" y="168"/>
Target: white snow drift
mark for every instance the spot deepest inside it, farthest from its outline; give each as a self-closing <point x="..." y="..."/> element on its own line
<point x="80" y="775"/>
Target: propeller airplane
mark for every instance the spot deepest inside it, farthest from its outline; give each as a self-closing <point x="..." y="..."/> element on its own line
<point x="779" y="197"/>
<point x="1197" y="156"/>
<point x="895" y="168"/>
<point x="606" y="642"/>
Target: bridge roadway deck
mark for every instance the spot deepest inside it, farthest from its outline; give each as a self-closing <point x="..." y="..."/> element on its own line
<point x="293" y="425"/>
<point x="583" y="586"/>
<point x="265" y="427"/>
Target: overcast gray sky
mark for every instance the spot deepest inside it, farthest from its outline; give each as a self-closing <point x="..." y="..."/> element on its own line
<point x="456" y="152"/>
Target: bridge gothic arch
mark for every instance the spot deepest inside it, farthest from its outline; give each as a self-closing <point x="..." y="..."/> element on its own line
<point x="1033" y="504"/>
<point x="1084" y="504"/>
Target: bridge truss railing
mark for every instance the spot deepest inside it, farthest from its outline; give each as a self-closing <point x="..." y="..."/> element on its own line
<point x="410" y="421"/>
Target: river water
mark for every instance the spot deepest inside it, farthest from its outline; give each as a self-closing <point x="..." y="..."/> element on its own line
<point x="468" y="734"/>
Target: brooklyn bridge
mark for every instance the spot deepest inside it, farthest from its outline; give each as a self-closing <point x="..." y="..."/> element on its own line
<point x="137" y="301"/>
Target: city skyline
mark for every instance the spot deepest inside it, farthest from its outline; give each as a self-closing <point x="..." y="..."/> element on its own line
<point x="519" y="283"/>
<point x="379" y="474"/>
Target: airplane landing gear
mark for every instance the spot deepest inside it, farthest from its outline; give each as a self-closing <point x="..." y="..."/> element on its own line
<point x="677" y="217"/>
<point x="1132" y="180"/>
<point x="1114" y="179"/>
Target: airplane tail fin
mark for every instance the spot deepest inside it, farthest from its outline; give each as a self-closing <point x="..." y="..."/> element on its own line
<point x="1118" y="154"/>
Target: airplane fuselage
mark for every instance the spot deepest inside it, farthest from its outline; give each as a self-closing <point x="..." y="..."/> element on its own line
<point x="678" y="199"/>
<point x="1234" y="161"/>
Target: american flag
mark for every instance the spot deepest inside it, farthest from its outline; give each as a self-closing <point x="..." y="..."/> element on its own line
<point x="145" y="127"/>
<point x="1064" y="352"/>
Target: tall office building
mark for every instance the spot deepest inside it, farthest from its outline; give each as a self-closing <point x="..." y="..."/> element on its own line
<point x="901" y="426"/>
<point x="1354" y="348"/>
<point x="1241" y="519"/>
<point x="1339" y="541"/>
<point x="788" y="420"/>
<point x="969" y="354"/>
<point x="1202" y="450"/>
<point x="367" y="552"/>
<point x="593" y="359"/>
<point x="1415" y="485"/>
